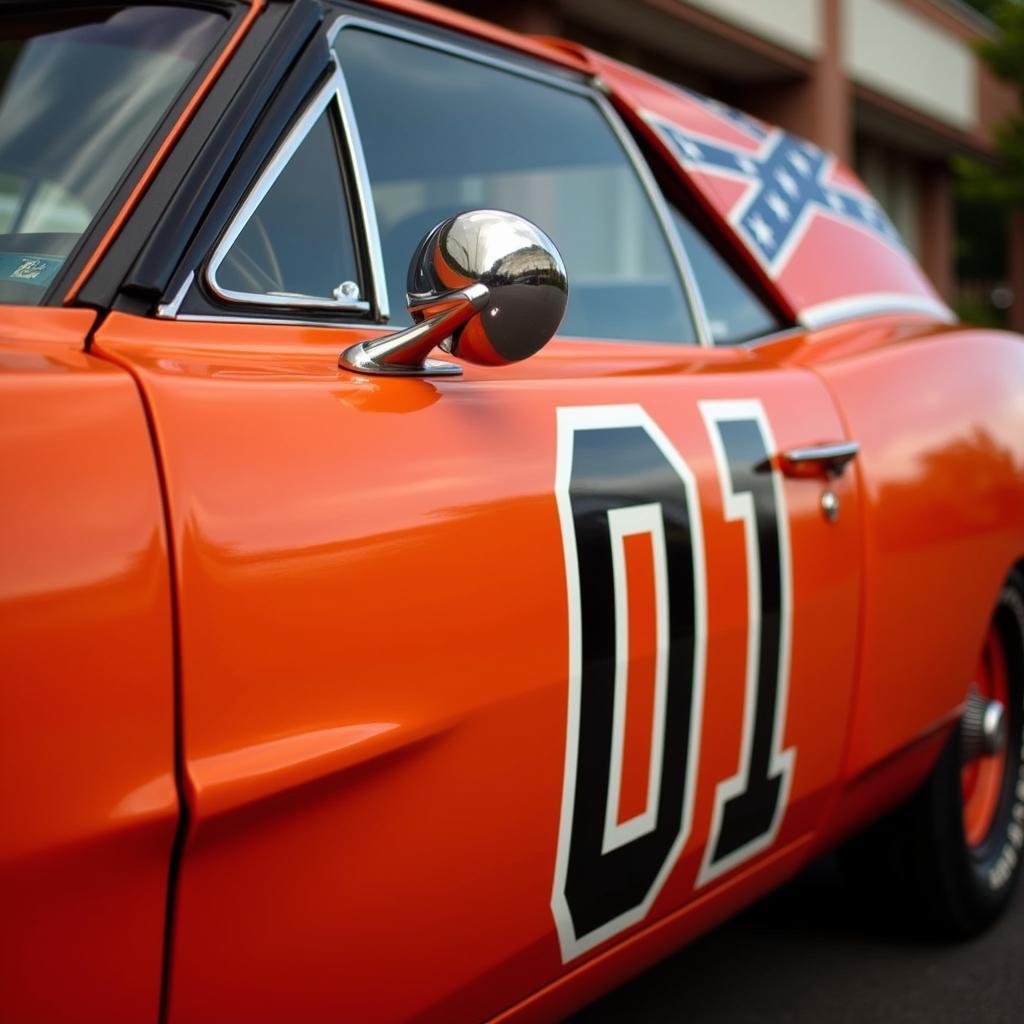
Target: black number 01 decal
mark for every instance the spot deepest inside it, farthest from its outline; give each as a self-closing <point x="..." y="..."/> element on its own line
<point x="618" y="477"/>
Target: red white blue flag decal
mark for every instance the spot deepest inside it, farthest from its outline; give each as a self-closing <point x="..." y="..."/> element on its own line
<point x="822" y="242"/>
<point x="787" y="184"/>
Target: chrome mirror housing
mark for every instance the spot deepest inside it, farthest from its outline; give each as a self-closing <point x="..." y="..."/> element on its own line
<point x="487" y="286"/>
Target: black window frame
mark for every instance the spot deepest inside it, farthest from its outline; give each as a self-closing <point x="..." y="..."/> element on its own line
<point x="154" y="258"/>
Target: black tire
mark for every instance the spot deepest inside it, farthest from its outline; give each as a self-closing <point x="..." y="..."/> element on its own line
<point x="916" y="865"/>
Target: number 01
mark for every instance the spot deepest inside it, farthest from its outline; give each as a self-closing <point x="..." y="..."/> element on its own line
<point x="621" y="485"/>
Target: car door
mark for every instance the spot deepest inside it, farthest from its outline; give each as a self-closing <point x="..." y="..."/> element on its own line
<point x="480" y="674"/>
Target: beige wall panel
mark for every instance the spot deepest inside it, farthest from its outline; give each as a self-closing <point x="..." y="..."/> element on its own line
<point x="793" y="24"/>
<point x="898" y="53"/>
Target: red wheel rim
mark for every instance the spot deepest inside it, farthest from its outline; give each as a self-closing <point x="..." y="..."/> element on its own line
<point x="981" y="780"/>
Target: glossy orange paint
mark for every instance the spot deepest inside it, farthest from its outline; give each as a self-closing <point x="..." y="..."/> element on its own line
<point x="88" y="800"/>
<point x="638" y="555"/>
<point x="943" y="510"/>
<point x="374" y="623"/>
<point x="373" y="646"/>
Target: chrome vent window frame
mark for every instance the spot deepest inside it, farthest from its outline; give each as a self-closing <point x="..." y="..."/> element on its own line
<point x="329" y="93"/>
<point x="361" y="190"/>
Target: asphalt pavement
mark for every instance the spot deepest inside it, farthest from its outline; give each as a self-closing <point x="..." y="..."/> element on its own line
<point x="809" y="953"/>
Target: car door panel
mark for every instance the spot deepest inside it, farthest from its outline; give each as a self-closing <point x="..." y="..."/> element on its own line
<point x="375" y="656"/>
<point x="942" y="517"/>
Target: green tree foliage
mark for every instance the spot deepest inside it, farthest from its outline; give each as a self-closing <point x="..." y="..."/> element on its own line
<point x="986" y="190"/>
<point x="1001" y="183"/>
<point x="985" y="6"/>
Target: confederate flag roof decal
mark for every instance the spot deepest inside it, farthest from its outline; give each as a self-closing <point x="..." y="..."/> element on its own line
<point x="808" y="223"/>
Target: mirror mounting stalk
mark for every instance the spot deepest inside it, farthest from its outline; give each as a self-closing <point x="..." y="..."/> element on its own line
<point x="405" y="353"/>
<point x="487" y="286"/>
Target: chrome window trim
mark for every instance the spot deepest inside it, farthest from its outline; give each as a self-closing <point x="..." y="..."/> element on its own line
<point x="280" y="321"/>
<point x="169" y="310"/>
<point x="327" y="94"/>
<point x="691" y="295"/>
<point x="362" y="191"/>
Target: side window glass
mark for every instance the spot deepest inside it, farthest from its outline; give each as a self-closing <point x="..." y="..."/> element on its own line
<point x="735" y="314"/>
<point x="292" y="240"/>
<point x="442" y="134"/>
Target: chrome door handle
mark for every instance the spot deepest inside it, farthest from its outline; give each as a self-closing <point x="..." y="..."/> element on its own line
<point x="819" y="459"/>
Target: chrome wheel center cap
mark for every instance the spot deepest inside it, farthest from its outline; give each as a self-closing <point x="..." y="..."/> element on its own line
<point x="983" y="728"/>
<point x="993" y="727"/>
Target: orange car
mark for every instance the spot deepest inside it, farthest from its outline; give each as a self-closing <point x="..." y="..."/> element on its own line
<point x="346" y="680"/>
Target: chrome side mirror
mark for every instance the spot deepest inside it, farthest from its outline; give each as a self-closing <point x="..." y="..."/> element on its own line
<point x="486" y="286"/>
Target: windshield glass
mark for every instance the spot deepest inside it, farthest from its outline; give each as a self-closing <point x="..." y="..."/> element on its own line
<point x="80" y="95"/>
